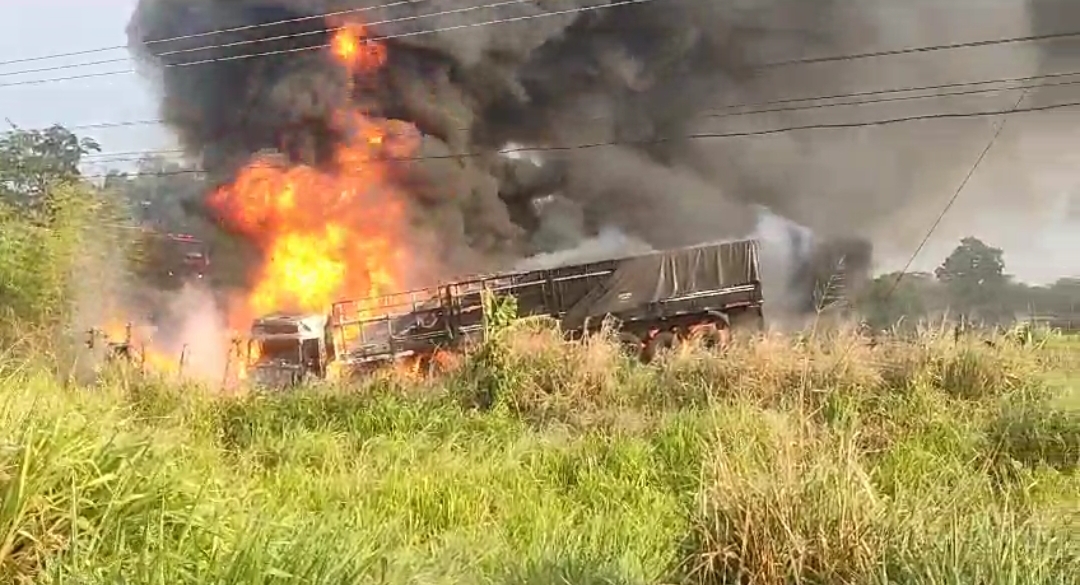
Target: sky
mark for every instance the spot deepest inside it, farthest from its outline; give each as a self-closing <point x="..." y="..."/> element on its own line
<point x="1036" y="154"/>
<point x="45" y="27"/>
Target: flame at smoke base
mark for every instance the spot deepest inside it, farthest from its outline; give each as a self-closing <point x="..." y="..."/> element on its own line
<point x="189" y="340"/>
<point x="326" y="233"/>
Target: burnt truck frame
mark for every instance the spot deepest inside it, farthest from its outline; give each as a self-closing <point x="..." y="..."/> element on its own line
<point x="657" y="300"/>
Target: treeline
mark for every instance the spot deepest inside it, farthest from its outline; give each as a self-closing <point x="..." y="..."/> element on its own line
<point x="972" y="285"/>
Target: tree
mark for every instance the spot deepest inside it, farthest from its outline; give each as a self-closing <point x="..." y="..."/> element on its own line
<point x="1062" y="297"/>
<point x="974" y="276"/>
<point x="892" y="300"/>
<point x="31" y="160"/>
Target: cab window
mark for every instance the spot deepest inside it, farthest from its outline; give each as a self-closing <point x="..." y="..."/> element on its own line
<point x="285" y="350"/>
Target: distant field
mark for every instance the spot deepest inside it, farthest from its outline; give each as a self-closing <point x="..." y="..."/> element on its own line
<point x="816" y="461"/>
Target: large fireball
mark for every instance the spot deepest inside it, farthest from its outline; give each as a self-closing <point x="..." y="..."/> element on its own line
<point x="331" y="233"/>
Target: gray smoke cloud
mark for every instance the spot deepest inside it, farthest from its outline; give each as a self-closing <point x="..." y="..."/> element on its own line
<point x="642" y="75"/>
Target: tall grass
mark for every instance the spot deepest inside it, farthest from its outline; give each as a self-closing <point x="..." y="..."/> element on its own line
<point x="59" y="265"/>
<point x="781" y="460"/>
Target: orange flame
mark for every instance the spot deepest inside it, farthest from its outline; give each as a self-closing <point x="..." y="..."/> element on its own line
<point x="141" y="348"/>
<point x="326" y="233"/>
<point x="353" y="49"/>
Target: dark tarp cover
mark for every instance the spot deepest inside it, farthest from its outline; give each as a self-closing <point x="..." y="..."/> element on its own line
<point x="673" y="274"/>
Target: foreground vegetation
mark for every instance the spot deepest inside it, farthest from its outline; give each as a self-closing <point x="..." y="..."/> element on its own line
<point x="820" y="460"/>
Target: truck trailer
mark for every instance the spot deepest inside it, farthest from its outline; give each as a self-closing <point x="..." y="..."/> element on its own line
<point x="657" y="300"/>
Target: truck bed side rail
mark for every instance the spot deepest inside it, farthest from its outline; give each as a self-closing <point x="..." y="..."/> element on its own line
<point x="376" y="318"/>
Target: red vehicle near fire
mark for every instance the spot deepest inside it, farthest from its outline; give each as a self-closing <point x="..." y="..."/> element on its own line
<point x="195" y="255"/>
<point x="173" y="256"/>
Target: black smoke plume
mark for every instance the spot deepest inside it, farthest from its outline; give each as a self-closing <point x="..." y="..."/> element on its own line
<point x="641" y="75"/>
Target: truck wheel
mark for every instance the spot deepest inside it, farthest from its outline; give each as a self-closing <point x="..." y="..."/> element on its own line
<point x="425" y="365"/>
<point x="712" y="335"/>
<point x="663" y="341"/>
<point x="434" y="363"/>
<point x="631" y="344"/>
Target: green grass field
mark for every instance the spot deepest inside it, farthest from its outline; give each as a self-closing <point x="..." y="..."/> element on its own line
<point x="816" y="461"/>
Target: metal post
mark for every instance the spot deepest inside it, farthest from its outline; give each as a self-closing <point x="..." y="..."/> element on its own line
<point x="228" y="364"/>
<point x="183" y="358"/>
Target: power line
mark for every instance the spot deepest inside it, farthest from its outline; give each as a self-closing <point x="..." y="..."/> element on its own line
<point x="211" y="33"/>
<point x="718" y="113"/>
<point x="68" y="78"/>
<point x="952" y="200"/>
<point x="696" y="136"/>
<point x="142" y="153"/>
<point x="849" y="57"/>
<point x="579" y="9"/>
<point x="897" y="98"/>
<point x="330" y="15"/>
<point x="923" y="49"/>
<point x="105" y="125"/>
<point x="265" y="40"/>
<point x="96" y="155"/>
<point x="906" y="89"/>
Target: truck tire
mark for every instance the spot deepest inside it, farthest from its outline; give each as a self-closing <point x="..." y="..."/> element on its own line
<point x="432" y="364"/>
<point x="425" y="364"/>
<point x="631" y="344"/>
<point x="711" y="335"/>
<point x="663" y="341"/>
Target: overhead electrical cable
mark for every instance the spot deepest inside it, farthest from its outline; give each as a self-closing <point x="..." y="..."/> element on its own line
<point x="346" y="12"/>
<point x="265" y="40"/>
<point x="377" y="38"/>
<point x="708" y="114"/>
<point x="213" y="32"/>
<point x="718" y="113"/>
<point x="956" y="195"/>
<point x="703" y="135"/>
<point x="893" y="99"/>
<point x="871" y="92"/>
<point x="96" y="155"/>
<point x="804" y="61"/>
<point x="923" y="49"/>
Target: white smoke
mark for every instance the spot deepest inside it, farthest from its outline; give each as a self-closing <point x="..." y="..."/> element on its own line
<point x="608" y="244"/>
<point x="193" y="332"/>
<point x="785" y="247"/>
<point x="516" y="151"/>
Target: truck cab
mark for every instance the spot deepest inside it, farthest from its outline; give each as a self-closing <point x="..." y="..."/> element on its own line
<point x="287" y="349"/>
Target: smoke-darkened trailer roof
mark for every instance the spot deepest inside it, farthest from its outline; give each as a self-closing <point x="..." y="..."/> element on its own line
<point x="671" y="275"/>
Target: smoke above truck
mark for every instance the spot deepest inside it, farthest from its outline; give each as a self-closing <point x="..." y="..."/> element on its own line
<point x="360" y="158"/>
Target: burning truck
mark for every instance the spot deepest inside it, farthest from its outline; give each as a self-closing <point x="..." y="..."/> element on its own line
<point x="351" y="160"/>
<point x="658" y="300"/>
